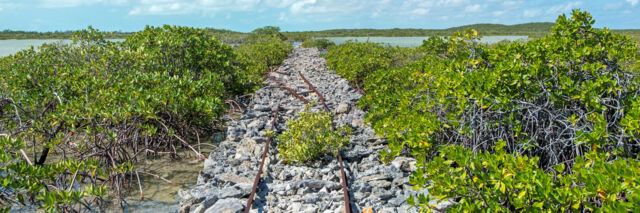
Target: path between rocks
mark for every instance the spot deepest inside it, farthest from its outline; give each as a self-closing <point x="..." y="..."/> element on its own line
<point x="226" y="180"/>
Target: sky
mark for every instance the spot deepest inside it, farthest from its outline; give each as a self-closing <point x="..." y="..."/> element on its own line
<point x="301" y="15"/>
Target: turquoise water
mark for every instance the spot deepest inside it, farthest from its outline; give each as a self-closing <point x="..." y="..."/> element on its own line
<point x="9" y="47"/>
<point x="417" y="41"/>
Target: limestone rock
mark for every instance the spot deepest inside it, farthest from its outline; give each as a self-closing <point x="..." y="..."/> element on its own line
<point x="342" y="108"/>
<point x="230" y="205"/>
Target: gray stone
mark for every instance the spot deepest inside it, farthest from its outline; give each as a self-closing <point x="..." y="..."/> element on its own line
<point x="208" y="163"/>
<point x="199" y="209"/>
<point x="311" y="209"/>
<point x="233" y="178"/>
<point x="248" y="146"/>
<point x="387" y="210"/>
<point x="357" y="122"/>
<point x="361" y="187"/>
<point x="229" y="205"/>
<point x="263" y="108"/>
<point x="310" y="198"/>
<point x="381" y="193"/>
<point x="234" y="191"/>
<point x="256" y="124"/>
<point x="376" y="177"/>
<point x="404" y="163"/>
<point x="259" y="139"/>
<point x="397" y="201"/>
<point x="342" y="108"/>
<point x="442" y="204"/>
<point x="209" y="201"/>
<point x="296" y="207"/>
<point x="251" y="133"/>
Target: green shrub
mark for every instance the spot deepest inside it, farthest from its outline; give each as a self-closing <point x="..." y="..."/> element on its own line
<point x="311" y="136"/>
<point x="497" y="181"/>
<point x="261" y="54"/>
<point x="264" y="32"/>
<point x="50" y="187"/>
<point x="322" y="43"/>
<point x="555" y="99"/>
<point x="355" y="61"/>
<point x="109" y="101"/>
<point x="106" y="102"/>
<point x="185" y="52"/>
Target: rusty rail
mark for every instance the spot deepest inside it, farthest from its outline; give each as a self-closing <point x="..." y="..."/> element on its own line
<point x="289" y="90"/>
<point x="267" y="144"/>
<point x="278" y="72"/>
<point x="345" y="190"/>
<point x="314" y="90"/>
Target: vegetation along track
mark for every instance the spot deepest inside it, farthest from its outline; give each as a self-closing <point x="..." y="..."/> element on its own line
<point x="225" y="183"/>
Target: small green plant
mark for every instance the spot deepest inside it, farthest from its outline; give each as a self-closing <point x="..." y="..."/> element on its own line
<point x="356" y="61"/>
<point x="310" y="136"/>
<point x="264" y="50"/>
<point x="322" y="43"/>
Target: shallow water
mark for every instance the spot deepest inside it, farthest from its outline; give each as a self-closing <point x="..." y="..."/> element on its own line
<point x="9" y="47"/>
<point x="417" y="41"/>
<point x="160" y="196"/>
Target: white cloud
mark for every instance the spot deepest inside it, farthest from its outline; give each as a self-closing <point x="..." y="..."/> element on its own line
<point x="612" y="6"/>
<point x="474" y="8"/>
<point x="331" y="7"/>
<point x="530" y="13"/>
<point x="162" y="8"/>
<point x="420" y="11"/>
<point x="451" y="3"/>
<point x="369" y="12"/>
<point x="511" y="4"/>
<point x="7" y="5"/>
<point x="498" y="13"/>
<point x="279" y="3"/>
<point x="169" y="7"/>
<point x="564" y="8"/>
<point x="632" y="2"/>
<point x="76" y="3"/>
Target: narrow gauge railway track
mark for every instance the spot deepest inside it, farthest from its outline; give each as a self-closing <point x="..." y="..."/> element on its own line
<point x="256" y="181"/>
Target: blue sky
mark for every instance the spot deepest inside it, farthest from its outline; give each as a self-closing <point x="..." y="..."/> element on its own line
<point x="296" y="15"/>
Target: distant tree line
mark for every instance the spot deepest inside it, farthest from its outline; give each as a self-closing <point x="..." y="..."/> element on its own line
<point x="533" y="30"/>
<point x="11" y="34"/>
